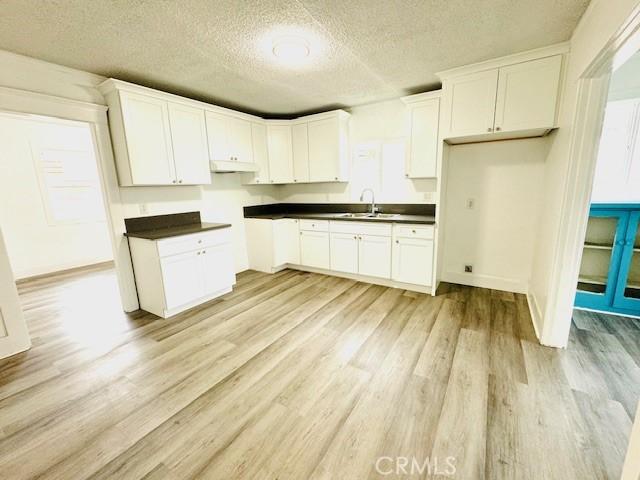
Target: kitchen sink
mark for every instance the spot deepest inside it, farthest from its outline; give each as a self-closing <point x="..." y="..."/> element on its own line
<point x="367" y="215"/>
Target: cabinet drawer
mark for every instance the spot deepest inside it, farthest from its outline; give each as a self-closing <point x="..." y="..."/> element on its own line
<point x="362" y="228"/>
<point x="188" y="243"/>
<point x="315" y="225"/>
<point x="414" y="231"/>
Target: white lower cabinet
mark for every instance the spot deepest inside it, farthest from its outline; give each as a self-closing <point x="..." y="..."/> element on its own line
<point x="344" y="252"/>
<point x="374" y="256"/>
<point x="413" y="255"/>
<point x="177" y="273"/>
<point x="314" y="249"/>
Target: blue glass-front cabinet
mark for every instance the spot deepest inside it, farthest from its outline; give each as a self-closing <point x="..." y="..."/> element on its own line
<point x="610" y="270"/>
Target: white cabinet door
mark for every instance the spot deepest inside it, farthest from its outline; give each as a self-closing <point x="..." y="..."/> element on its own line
<point x="189" y="140"/>
<point x="423" y="154"/>
<point x="280" y="153"/>
<point x="239" y="137"/>
<point x="324" y="150"/>
<point x="374" y="256"/>
<point x="286" y="242"/>
<point x="217" y="269"/>
<point x="182" y="279"/>
<point x="218" y="136"/>
<point x="471" y="102"/>
<point x="146" y="123"/>
<point x="300" y="148"/>
<point x="260" y="153"/>
<point x="344" y="252"/>
<point x="527" y="95"/>
<point x="314" y="249"/>
<point x="413" y="261"/>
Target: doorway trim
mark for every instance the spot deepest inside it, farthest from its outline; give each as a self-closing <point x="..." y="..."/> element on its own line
<point x="31" y="103"/>
<point x="591" y="100"/>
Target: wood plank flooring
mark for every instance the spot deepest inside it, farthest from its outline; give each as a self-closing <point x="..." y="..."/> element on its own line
<point x="305" y="376"/>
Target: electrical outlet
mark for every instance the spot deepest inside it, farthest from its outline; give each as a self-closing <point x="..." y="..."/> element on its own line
<point x="470" y="203"/>
<point x="468" y="269"/>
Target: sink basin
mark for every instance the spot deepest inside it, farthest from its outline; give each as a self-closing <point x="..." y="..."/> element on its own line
<point x="367" y="215"/>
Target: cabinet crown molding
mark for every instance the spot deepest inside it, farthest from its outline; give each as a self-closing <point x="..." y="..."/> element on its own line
<point x="421" y="97"/>
<point x="537" y="53"/>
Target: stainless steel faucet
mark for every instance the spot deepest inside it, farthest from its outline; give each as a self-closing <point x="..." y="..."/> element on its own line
<point x="374" y="209"/>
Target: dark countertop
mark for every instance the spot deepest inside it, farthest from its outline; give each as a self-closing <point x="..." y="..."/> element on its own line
<point x="397" y="218"/>
<point x="414" y="213"/>
<point x="167" y="232"/>
<point x="157" y="227"/>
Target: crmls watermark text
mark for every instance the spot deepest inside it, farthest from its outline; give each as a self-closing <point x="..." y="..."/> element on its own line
<point x="413" y="466"/>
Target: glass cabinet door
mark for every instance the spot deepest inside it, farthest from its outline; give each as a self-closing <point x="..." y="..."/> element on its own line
<point x="599" y="269"/>
<point x="628" y="290"/>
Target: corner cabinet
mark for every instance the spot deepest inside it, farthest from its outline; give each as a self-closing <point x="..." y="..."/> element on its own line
<point x="156" y="141"/>
<point x="513" y="97"/>
<point x="609" y="278"/>
<point x="311" y="149"/>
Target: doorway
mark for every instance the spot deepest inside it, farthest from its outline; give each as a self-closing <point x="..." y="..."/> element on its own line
<point x="51" y="201"/>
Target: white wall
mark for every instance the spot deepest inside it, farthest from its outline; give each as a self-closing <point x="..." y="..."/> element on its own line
<point x="601" y="20"/>
<point x="378" y="136"/>
<point x="497" y="236"/>
<point x="36" y="244"/>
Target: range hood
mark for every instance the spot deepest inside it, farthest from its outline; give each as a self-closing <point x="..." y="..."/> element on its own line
<point x="231" y="166"/>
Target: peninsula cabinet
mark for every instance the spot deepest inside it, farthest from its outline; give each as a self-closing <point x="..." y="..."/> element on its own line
<point x="156" y="141"/>
<point x="513" y="97"/>
<point x="413" y="254"/>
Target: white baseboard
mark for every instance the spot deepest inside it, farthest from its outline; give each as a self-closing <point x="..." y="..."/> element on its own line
<point x="486" y="281"/>
<point x="536" y="315"/>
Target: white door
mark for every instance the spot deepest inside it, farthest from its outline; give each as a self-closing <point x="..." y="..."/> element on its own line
<point x="14" y="336"/>
<point x="146" y="123"/>
<point x="424" y="139"/>
<point x="471" y="102"/>
<point x="300" y="147"/>
<point x="182" y="279"/>
<point x="344" y="252"/>
<point x="189" y="140"/>
<point x="217" y="268"/>
<point x="413" y="261"/>
<point x="217" y="136"/>
<point x="280" y="153"/>
<point x="286" y="242"/>
<point x="260" y="152"/>
<point x="324" y="150"/>
<point x="314" y="249"/>
<point x="240" y="140"/>
<point x="527" y="95"/>
<point x="374" y="256"/>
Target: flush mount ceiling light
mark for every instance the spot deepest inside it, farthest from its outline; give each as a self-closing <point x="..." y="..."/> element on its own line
<point x="291" y="49"/>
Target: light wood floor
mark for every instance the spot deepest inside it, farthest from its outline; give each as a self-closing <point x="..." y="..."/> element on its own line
<point x="298" y="375"/>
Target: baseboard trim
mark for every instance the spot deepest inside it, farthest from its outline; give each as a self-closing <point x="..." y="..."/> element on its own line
<point x="67" y="271"/>
<point x="534" y="311"/>
<point x="486" y="281"/>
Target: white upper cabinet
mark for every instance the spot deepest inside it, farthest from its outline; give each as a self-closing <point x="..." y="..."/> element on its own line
<point x="300" y="149"/>
<point x="189" y="141"/>
<point x="424" y="113"/>
<point x="509" y="97"/>
<point x="472" y="101"/>
<point x="157" y="138"/>
<point x="260" y="153"/>
<point x="229" y="138"/>
<point x="146" y="141"/>
<point x="328" y="148"/>
<point x="279" y="140"/>
<point x="527" y="95"/>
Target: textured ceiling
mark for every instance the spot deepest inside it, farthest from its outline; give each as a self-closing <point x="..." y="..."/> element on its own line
<point x="362" y="50"/>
